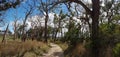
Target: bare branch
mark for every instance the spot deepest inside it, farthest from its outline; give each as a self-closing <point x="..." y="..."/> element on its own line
<point x="76" y="1"/>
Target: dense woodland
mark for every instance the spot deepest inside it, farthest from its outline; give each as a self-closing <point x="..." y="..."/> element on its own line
<point x="90" y="28"/>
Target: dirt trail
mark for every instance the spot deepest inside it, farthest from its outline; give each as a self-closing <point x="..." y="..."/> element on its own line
<point x="55" y="51"/>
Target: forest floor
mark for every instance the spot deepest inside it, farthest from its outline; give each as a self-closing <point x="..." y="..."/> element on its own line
<point x="54" y="51"/>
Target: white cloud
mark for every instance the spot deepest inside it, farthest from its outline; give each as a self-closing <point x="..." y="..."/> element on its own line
<point x="28" y="25"/>
<point x="42" y="19"/>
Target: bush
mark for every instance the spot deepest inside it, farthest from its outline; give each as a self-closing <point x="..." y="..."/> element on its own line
<point x="116" y="50"/>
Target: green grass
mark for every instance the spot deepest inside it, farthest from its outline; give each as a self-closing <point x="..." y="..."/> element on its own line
<point x="8" y="37"/>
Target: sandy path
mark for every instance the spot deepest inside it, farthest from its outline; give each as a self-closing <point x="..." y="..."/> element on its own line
<point x="55" y="51"/>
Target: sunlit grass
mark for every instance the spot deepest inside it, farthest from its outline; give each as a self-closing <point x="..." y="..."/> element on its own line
<point x="24" y="49"/>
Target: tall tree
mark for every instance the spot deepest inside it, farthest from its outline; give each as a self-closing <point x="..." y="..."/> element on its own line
<point x="29" y="11"/>
<point x="45" y="8"/>
<point x="94" y="13"/>
<point x="15" y="25"/>
<point x="15" y="28"/>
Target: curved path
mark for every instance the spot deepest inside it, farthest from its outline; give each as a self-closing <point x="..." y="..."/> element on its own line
<point x="55" y="51"/>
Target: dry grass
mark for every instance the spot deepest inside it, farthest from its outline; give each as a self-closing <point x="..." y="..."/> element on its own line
<point x="21" y="49"/>
<point x="79" y="50"/>
<point x="64" y="46"/>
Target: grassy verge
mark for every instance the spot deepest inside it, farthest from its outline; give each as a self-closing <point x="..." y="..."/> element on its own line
<point x="23" y="49"/>
<point x="8" y="37"/>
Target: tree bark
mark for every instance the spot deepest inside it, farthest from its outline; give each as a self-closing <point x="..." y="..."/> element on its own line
<point x="45" y="35"/>
<point x="15" y="30"/>
<point x="95" y="28"/>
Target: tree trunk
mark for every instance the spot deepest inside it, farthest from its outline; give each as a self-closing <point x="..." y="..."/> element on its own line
<point x="56" y="30"/>
<point x="4" y="36"/>
<point x="15" y="28"/>
<point x="61" y="33"/>
<point x="45" y="35"/>
<point x="95" y="28"/>
<point x="53" y="33"/>
<point x="14" y="35"/>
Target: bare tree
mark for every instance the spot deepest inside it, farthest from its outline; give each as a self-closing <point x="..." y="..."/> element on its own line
<point x="15" y="24"/>
<point x="45" y="8"/>
<point x="37" y="29"/>
<point x="29" y="11"/>
<point x="15" y="28"/>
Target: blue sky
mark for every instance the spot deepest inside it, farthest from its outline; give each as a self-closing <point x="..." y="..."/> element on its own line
<point x="19" y="12"/>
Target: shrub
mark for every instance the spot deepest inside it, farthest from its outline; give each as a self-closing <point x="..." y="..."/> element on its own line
<point x="116" y="50"/>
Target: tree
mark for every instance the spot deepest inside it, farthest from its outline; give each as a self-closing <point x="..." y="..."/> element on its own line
<point x="29" y="11"/>
<point x="58" y="21"/>
<point x="45" y="8"/>
<point x="8" y="4"/>
<point x="5" y="5"/>
<point x="15" y="25"/>
<point x="108" y="28"/>
<point x="95" y="28"/>
<point x="19" y="30"/>
<point x="73" y="35"/>
<point x="4" y="35"/>
<point x="15" y="28"/>
<point x="94" y="13"/>
<point x="37" y="28"/>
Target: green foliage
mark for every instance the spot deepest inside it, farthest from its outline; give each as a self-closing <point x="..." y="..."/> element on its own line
<point x="109" y="34"/>
<point x="73" y="35"/>
<point x="116" y="50"/>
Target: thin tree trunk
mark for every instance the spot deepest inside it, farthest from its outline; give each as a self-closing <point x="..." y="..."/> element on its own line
<point x="4" y="36"/>
<point x="14" y="35"/>
<point x="45" y="35"/>
<point x="56" y="34"/>
<point x="53" y="33"/>
<point x="15" y="29"/>
<point x="61" y="33"/>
